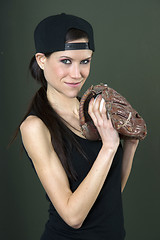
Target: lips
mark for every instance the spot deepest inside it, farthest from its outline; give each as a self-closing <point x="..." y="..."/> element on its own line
<point x="73" y="84"/>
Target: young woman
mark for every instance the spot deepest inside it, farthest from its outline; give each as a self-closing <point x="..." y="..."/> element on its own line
<point x="83" y="179"/>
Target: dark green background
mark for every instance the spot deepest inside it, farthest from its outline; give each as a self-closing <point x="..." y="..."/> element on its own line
<point x="127" y="58"/>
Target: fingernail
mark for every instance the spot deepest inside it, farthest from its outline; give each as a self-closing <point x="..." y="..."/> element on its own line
<point x="97" y="97"/>
<point x="108" y="115"/>
<point x="101" y="105"/>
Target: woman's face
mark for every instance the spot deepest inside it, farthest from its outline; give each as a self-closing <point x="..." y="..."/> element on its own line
<point x="66" y="71"/>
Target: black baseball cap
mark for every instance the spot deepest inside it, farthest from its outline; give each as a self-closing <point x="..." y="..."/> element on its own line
<point x="50" y="33"/>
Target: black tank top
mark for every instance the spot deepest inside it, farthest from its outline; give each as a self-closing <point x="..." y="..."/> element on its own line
<point x="105" y="219"/>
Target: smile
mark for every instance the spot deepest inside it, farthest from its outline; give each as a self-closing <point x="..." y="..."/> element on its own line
<point x="73" y="84"/>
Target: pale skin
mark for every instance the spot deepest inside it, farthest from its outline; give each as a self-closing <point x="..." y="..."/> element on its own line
<point x="66" y="72"/>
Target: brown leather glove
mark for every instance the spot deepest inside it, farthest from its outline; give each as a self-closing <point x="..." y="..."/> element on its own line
<point x="125" y="119"/>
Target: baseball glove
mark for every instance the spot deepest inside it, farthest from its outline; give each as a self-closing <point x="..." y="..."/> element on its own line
<point x="125" y="119"/>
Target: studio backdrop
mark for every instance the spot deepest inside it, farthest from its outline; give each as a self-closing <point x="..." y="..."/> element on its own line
<point x="127" y="58"/>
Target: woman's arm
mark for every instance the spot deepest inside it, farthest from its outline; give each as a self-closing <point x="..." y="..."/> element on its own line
<point x="129" y="148"/>
<point x="73" y="207"/>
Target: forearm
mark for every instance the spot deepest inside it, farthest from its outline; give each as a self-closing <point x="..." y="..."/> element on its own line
<point x="81" y="201"/>
<point x="129" y="148"/>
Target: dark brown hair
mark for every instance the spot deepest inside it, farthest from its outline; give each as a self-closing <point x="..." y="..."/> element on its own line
<point x="61" y="136"/>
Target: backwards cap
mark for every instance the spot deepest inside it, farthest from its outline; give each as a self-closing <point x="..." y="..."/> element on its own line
<point x="50" y="33"/>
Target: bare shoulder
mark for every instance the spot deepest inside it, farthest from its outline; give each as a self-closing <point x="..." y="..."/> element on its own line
<point x="32" y="124"/>
<point x="35" y="135"/>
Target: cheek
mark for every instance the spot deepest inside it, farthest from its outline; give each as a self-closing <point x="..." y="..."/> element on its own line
<point x="58" y="71"/>
<point x="54" y="72"/>
<point x="86" y="71"/>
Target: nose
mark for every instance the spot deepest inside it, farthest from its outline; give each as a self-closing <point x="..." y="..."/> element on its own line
<point x="75" y="71"/>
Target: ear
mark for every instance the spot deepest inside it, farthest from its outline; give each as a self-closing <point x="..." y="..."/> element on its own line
<point x="40" y="58"/>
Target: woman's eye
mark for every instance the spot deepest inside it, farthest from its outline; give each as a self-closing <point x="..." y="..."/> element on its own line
<point x="66" y="61"/>
<point x="85" y="61"/>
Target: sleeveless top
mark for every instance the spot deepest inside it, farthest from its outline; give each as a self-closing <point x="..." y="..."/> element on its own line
<point x="105" y="220"/>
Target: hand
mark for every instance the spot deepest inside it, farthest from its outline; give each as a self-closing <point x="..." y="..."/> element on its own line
<point x="108" y="134"/>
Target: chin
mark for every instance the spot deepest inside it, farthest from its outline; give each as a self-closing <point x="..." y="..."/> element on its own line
<point x="73" y="94"/>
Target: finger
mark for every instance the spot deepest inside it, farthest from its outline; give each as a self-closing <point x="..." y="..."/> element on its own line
<point x="102" y="105"/>
<point x="94" y="112"/>
<point x="91" y="104"/>
<point x="104" y="112"/>
<point x="97" y="101"/>
<point x="107" y="114"/>
<point x="98" y="104"/>
<point x="98" y="108"/>
<point x="91" y="112"/>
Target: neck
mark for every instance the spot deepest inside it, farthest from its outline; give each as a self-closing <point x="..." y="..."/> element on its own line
<point x="63" y="104"/>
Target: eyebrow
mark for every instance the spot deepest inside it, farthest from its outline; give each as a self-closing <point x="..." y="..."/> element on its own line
<point x="72" y="58"/>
